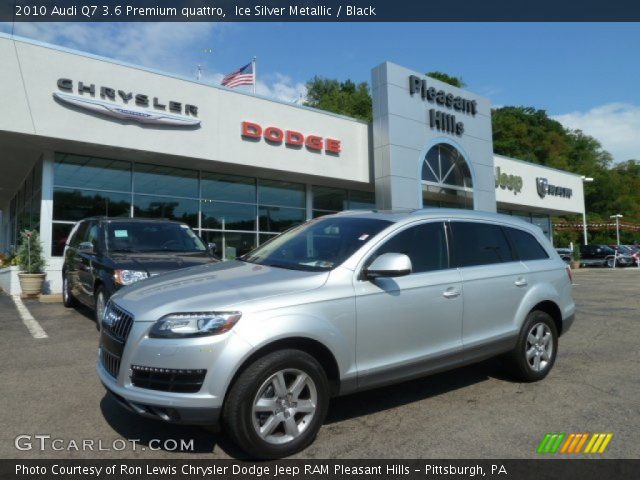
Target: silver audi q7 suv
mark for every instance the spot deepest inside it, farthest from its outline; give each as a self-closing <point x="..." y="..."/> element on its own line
<point x="337" y="305"/>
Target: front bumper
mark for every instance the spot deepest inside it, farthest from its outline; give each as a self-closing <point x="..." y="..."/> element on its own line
<point x="218" y="355"/>
<point x="184" y="415"/>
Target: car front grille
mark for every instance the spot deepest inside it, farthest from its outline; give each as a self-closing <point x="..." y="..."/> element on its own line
<point x="116" y="326"/>
<point x="168" y="379"/>
<point x="117" y="322"/>
<point x="110" y="362"/>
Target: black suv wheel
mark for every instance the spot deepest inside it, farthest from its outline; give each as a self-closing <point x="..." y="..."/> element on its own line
<point x="277" y="405"/>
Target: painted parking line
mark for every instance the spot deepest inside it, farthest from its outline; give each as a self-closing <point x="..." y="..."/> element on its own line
<point x="35" y="329"/>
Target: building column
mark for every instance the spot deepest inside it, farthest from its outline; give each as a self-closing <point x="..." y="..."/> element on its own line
<point x="309" y="200"/>
<point x="46" y="204"/>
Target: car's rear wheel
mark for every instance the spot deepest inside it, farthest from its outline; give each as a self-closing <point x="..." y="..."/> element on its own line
<point x="67" y="297"/>
<point x="277" y="405"/>
<point x="100" y="306"/>
<point x="610" y="262"/>
<point x="537" y="347"/>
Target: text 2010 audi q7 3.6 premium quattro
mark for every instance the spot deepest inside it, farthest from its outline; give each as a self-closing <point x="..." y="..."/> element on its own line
<point x="340" y="304"/>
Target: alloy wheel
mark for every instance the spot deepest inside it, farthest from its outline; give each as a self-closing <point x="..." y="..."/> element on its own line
<point x="65" y="290"/>
<point x="100" y="306"/>
<point x="284" y="406"/>
<point x="539" y="347"/>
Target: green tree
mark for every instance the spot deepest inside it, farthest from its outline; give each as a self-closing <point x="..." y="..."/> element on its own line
<point x="443" y="77"/>
<point x="29" y="255"/>
<point x="345" y="98"/>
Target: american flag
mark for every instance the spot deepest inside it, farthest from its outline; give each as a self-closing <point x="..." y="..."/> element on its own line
<point x="243" y="76"/>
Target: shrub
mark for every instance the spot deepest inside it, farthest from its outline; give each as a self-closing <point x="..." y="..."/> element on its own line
<point x="29" y="256"/>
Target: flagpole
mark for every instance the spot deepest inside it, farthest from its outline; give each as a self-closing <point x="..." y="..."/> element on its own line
<point x="254" y="74"/>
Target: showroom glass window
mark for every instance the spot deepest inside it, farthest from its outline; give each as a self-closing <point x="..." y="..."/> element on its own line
<point x="446" y="178"/>
<point x="235" y="212"/>
<point x="85" y="187"/>
<point x="327" y="200"/>
<point x="166" y="192"/>
<point x="229" y="213"/>
<point x="24" y="207"/>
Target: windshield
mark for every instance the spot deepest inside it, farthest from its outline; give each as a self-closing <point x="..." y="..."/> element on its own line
<point x="317" y="245"/>
<point x="152" y="237"/>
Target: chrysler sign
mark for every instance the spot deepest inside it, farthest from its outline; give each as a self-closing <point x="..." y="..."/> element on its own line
<point x="126" y="105"/>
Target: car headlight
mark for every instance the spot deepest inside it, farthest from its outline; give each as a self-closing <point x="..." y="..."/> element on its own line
<point x="127" y="277"/>
<point x="197" y="324"/>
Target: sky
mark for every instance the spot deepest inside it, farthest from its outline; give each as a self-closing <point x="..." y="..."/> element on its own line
<point x="585" y="75"/>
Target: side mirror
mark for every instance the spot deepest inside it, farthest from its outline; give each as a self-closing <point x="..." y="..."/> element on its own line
<point x="389" y="265"/>
<point x="85" y="247"/>
<point x="212" y="248"/>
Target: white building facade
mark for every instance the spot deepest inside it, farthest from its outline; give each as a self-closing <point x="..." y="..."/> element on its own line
<point x="83" y="136"/>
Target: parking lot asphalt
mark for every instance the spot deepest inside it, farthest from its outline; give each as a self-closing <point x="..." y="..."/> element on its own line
<point x="49" y="387"/>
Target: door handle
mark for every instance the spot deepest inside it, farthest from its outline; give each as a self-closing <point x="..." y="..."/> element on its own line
<point x="451" y="293"/>
<point x="521" y="282"/>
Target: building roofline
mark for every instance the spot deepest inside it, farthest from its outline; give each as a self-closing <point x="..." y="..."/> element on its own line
<point x="18" y="38"/>
<point x="538" y="165"/>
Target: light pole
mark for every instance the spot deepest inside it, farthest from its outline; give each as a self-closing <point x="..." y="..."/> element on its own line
<point x="584" y="209"/>
<point x="617" y="216"/>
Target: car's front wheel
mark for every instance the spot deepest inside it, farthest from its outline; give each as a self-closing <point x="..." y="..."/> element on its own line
<point x="67" y="297"/>
<point x="100" y="306"/>
<point x="277" y="405"/>
<point x="537" y="347"/>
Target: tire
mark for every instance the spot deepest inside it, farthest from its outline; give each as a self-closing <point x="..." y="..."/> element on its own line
<point x="288" y="430"/>
<point x="609" y="263"/>
<point x="100" y="302"/>
<point x="68" y="299"/>
<point x="533" y="358"/>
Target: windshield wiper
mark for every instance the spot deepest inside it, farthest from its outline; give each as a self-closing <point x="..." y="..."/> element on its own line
<point x="124" y="250"/>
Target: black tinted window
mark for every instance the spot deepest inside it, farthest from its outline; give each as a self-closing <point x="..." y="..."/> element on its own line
<point x="526" y="245"/>
<point x="92" y="234"/>
<point x="479" y="244"/>
<point x="79" y="234"/>
<point x="424" y="244"/>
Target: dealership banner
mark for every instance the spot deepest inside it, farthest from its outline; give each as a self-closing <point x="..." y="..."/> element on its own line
<point x="584" y="469"/>
<point x="316" y="11"/>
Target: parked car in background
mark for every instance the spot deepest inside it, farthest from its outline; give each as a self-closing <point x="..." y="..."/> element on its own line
<point x="628" y="250"/>
<point x="262" y="342"/>
<point x="566" y="254"/>
<point x="103" y="254"/>
<point x="603" y="256"/>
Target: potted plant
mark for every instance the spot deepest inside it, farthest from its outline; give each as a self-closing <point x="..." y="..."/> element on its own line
<point x="31" y="263"/>
<point x="575" y="261"/>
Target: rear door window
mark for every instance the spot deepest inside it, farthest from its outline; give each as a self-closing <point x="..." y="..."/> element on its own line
<point x="526" y="245"/>
<point x="475" y="243"/>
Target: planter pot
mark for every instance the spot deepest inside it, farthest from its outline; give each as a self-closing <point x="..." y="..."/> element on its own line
<point x="575" y="265"/>
<point x="31" y="283"/>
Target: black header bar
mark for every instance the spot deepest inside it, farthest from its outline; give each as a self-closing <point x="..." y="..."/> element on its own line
<point x="318" y="11"/>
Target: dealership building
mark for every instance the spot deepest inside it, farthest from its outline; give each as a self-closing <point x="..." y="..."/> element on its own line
<point x="82" y="135"/>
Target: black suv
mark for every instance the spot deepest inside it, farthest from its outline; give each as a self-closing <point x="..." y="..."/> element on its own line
<point x="603" y="255"/>
<point x="103" y="254"/>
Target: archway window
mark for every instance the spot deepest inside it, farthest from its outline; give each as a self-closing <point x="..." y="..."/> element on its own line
<point x="446" y="178"/>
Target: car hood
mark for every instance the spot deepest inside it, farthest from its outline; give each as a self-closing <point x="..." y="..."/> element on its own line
<point x="211" y="287"/>
<point x="159" y="262"/>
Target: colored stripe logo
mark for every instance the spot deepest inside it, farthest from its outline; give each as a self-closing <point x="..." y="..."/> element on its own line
<point x="572" y="443"/>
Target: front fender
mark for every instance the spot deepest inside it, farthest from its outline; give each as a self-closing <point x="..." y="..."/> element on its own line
<point x="337" y="337"/>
